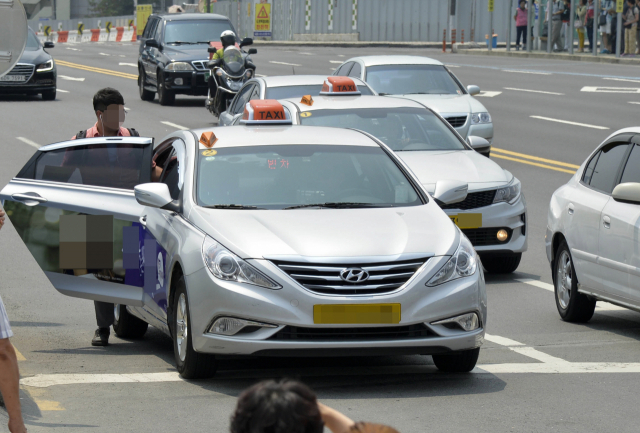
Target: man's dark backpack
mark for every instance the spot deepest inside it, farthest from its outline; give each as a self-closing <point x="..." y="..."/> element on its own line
<point x="83" y="133"/>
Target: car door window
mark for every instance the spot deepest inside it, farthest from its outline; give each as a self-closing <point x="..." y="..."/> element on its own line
<point x="173" y="168"/>
<point x="157" y="35"/>
<point x="150" y="29"/>
<point x="356" y="70"/>
<point x="631" y="171"/>
<point x="242" y="98"/>
<point x="345" y="69"/>
<point x="255" y="94"/>
<point x="607" y="167"/>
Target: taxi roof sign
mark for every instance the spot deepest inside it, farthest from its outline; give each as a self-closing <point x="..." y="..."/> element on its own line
<point x="339" y="86"/>
<point x="307" y="100"/>
<point x="265" y="112"/>
<point x="208" y="138"/>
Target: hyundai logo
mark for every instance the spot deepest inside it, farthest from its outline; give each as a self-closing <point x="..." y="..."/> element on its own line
<point x="354" y="275"/>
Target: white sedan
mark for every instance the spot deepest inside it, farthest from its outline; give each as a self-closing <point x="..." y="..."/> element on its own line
<point x="593" y="230"/>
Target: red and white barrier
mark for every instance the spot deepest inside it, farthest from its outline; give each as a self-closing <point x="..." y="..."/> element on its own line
<point x="118" y="34"/>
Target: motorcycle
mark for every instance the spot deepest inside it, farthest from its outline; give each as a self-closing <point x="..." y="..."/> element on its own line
<point x="230" y="73"/>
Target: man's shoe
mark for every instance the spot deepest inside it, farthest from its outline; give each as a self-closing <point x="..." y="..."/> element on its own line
<point x="101" y="337"/>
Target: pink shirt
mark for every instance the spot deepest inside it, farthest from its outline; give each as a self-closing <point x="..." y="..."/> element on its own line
<point x="93" y="132"/>
<point x="521" y="17"/>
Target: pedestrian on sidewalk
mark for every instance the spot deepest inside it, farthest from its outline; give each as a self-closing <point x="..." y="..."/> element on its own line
<point x="630" y="28"/>
<point x="581" y="12"/>
<point x="588" y="24"/>
<point x="521" y="17"/>
<point x="556" y="25"/>
<point x="566" y="18"/>
<point x="605" y="29"/>
<point x="638" y="30"/>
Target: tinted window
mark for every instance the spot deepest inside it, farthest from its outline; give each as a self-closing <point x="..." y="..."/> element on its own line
<point x="194" y="31"/>
<point x="632" y="169"/>
<point x="158" y="33"/>
<point x="110" y="165"/>
<point x="606" y="170"/>
<point x="150" y="28"/>
<point x="588" y="171"/>
<point x="355" y="71"/>
<point x="286" y="92"/>
<point x="412" y="79"/>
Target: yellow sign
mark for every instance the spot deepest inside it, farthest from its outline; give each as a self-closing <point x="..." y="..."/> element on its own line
<point x="108" y="27"/>
<point x="248" y="9"/>
<point x="209" y="152"/>
<point x="142" y="16"/>
<point x="467" y="220"/>
<point x="619" y="6"/>
<point x="263" y="19"/>
<point x="80" y="28"/>
<point x="305" y="114"/>
<point x="491" y="4"/>
<point x="47" y="30"/>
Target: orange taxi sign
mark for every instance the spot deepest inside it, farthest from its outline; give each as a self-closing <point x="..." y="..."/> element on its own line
<point x="339" y="86"/>
<point x="266" y="111"/>
<point x="307" y="100"/>
<point x="208" y="138"/>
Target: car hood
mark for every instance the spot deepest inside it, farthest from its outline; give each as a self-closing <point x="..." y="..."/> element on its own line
<point x="468" y="166"/>
<point x="186" y="53"/>
<point x="34" y="57"/>
<point x="416" y="230"/>
<point x="449" y="103"/>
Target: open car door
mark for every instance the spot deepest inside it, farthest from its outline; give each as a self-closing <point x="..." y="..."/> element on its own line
<point x="74" y="208"/>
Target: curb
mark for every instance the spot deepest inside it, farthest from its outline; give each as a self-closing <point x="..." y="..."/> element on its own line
<point x="358" y="44"/>
<point x="554" y="56"/>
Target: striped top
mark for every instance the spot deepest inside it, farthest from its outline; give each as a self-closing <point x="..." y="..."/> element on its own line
<point x="5" y="328"/>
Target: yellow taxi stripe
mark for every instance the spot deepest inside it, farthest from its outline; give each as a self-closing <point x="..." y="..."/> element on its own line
<point x="493" y="155"/>
<point x="534" y="158"/>
<point x="98" y="70"/>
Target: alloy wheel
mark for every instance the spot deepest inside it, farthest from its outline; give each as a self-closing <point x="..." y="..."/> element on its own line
<point x="564" y="279"/>
<point x="182" y="327"/>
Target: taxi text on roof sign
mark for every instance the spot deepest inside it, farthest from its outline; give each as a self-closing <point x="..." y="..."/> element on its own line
<point x="339" y="86"/>
<point x="267" y="111"/>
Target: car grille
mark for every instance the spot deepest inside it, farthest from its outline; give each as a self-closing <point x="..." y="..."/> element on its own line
<point x="23" y="69"/>
<point x="474" y="200"/>
<point x="200" y="65"/>
<point x="353" y="334"/>
<point x="456" y="121"/>
<point x="486" y="236"/>
<point x="325" y="278"/>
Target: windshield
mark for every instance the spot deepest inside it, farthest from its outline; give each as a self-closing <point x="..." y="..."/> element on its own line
<point x="286" y="92"/>
<point x="32" y="42"/>
<point x="412" y="79"/>
<point x="402" y="129"/>
<point x="283" y="176"/>
<point x="233" y="60"/>
<point x="194" y="31"/>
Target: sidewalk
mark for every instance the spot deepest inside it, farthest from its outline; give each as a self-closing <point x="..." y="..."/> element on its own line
<point x="581" y="57"/>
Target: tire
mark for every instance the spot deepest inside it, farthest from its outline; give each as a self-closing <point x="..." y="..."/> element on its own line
<point x="126" y="325"/>
<point x="502" y="264"/>
<point x="49" y="95"/>
<point x="166" y="97"/>
<point x="145" y="95"/>
<point x="190" y="364"/>
<point x="572" y="306"/>
<point x="457" y="362"/>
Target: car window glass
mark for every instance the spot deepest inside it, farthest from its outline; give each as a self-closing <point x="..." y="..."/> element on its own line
<point x="194" y="31"/>
<point x="286" y="92"/>
<point x="173" y="169"/>
<point x="109" y="165"/>
<point x="607" y="167"/>
<point x="32" y="42"/>
<point x="588" y="171"/>
<point x="412" y="79"/>
<point x="632" y="169"/>
<point x="255" y="94"/>
<point x="355" y="71"/>
<point x="242" y="99"/>
<point x="151" y="28"/>
<point x="345" y="69"/>
<point x="158" y="32"/>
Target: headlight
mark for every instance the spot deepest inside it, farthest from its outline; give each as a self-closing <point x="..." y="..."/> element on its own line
<point x="46" y="66"/>
<point x="225" y="265"/>
<point x="248" y="74"/>
<point x="179" y="66"/>
<point x="509" y="193"/>
<point x="463" y="263"/>
<point x="477" y="118"/>
<point x="220" y="73"/>
<point x="234" y="85"/>
<point x="466" y="322"/>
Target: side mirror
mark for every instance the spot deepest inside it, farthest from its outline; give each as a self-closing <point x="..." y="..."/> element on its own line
<point x="450" y="191"/>
<point x="49" y="44"/>
<point x="212" y="50"/>
<point x="627" y="193"/>
<point x="252" y="51"/>
<point x="480" y="145"/>
<point x="473" y="90"/>
<point x="152" y="43"/>
<point x="155" y="194"/>
<point x="245" y="42"/>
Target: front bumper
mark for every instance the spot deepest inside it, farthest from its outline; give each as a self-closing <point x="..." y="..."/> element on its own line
<point x="513" y="218"/>
<point x="38" y="83"/>
<point x="292" y="306"/>
<point x="193" y="82"/>
<point x="484" y="130"/>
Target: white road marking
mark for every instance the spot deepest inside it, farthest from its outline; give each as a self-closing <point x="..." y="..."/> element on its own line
<point x="64" y="77"/>
<point x="502" y="341"/>
<point x="340" y="55"/>
<point x="336" y="61"/>
<point x="333" y="69"/>
<point x="533" y="91"/>
<point x="600" y="306"/>
<point x="622" y="79"/>
<point x="47" y="380"/>
<point x="173" y="125"/>
<point x="74" y="49"/>
<point x="283" y="63"/>
<point x="104" y="54"/>
<point x="29" y="142"/>
<point x="260" y="75"/>
<point x="489" y="94"/>
<point x="632" y="102"/>
<point x="585" y="125"/>
<point x="452" y="66"/>
<point x="122" y="55"/>
<point x="306" y="54"/>
<point x="62" y="91"/>
<point x="128" y="64"/>
<point x="599" y="89"/>
<point x="526" y="72"/>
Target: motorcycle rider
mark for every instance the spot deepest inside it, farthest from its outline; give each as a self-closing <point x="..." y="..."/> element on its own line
<point x="228" y="38"/>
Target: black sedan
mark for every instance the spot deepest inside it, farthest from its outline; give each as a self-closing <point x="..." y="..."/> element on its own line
<point x="34" y="73"/>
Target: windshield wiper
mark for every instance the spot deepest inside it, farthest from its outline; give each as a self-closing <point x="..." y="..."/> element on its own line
<point x="231" y="206"/>
<point x="337" y="205"/>
<point x="182" y="43"/>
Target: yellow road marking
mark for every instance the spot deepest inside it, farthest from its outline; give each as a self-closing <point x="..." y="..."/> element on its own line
<point x="19" y="355"/>
<point x="98" y="70"/>
<point x="493" y="155"/>
<point x="535" y="158"/>
<point x="48" y="405"/>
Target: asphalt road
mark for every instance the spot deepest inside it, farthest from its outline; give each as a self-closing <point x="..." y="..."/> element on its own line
<point x="535" y="373"/>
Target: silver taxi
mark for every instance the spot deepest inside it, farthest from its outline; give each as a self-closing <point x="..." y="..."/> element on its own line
<point x="264" y="239"/>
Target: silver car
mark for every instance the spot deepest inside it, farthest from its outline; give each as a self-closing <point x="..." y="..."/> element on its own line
<point x="264" y="240"/>
<point x="277" y="87"/>
<point x="427" y="81"/>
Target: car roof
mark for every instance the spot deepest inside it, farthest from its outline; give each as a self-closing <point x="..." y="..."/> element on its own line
<point x="324" y="102"/>
<point x="396" y="60"/>
<point x="191" y="16"/>
<point x="300" y="80"/>
<point x="264" y="135"/>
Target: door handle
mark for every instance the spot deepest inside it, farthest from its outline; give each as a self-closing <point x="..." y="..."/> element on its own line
<point x="570" y="209"/>
<point x="29" y="198"/>
<point x="606" y="222"/>
<point x="143" y="221"/>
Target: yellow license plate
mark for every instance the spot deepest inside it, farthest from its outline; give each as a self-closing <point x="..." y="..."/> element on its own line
<point x="356" y="314"/>
<point x="467" y="220"/>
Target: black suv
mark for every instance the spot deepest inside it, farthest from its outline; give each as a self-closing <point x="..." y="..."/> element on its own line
<point x="173" y="54"/>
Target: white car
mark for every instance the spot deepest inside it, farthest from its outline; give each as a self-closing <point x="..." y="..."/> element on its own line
<point x="493" y="212"/>
<point x="593" y="230"/>
<point x="277" y="87"/>
<point x="266" y="239"/>
<point x="427" y="81"/>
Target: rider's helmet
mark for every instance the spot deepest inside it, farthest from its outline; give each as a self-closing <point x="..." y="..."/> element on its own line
<point x="228" y="38"/>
